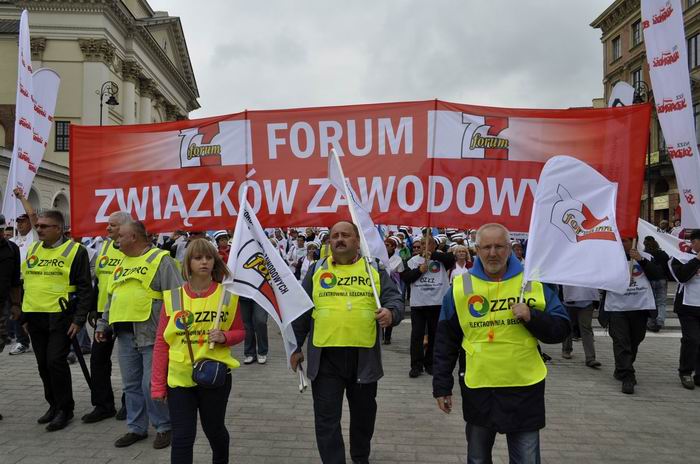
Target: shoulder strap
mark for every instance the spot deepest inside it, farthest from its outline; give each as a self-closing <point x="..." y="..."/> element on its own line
<point x="184" y="323"/>
<point x="69" y="248"/>
<point x="467" y="284"/>
<point x="36" y="246"/>
<point x="105" y="246"/>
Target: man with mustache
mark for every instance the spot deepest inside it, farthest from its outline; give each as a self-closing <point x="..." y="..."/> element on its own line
<point x="344" y="343"/>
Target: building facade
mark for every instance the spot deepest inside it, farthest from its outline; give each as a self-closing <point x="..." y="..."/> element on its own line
<point x="624" y="59"/>
<point x="141" y="52"/>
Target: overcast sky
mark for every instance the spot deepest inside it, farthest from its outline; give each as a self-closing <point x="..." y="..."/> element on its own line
<point x="284" y="54"/>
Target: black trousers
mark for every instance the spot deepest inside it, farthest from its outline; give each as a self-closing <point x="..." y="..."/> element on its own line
<point x="627" y="329"/>
<point x="51" y="346"/>
<point x="337" y="373"/>
<point x="102" y="396"/>
<point x="183" y="404"/>
<point x="690" y="343"/>
<point x="420" y="318"/>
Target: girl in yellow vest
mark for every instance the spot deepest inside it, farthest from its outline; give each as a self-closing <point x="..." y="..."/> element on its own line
<point x="194" y="306"/>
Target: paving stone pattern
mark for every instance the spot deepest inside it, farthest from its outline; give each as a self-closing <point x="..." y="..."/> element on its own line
<point x="589" y="420"/>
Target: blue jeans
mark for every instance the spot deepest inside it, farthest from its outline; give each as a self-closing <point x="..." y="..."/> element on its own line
<point x="523" y="447"/>
<point x="135" y="366"/>
<point x="660" y="287"/>
<point x="255" y="322"/>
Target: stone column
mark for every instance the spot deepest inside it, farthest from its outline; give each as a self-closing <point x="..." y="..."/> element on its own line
<point x="148" y="88"/>
<point x="130" y="74"/>
<point x="99" y="56"/>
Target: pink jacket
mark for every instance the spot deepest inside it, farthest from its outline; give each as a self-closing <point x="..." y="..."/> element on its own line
<point x="159" y="368"/>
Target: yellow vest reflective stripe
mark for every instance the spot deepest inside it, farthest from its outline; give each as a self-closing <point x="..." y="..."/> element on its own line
<point x="500" y="351"/>
<point x="200" y="316"/>
<point x="47" y="277"/>
<point x="107" y="261"/>
<point x="132" y="296"/>
<point x="344" y="306"/>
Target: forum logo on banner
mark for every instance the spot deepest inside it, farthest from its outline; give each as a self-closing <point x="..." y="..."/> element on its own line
<point x="667" y="55"/>
<point x="226" y="143"/>
<point x="457" y="135"/>
<point x="573" y="238"/>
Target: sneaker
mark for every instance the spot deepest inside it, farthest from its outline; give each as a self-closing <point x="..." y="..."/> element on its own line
<point x="19" y="349"/>
<point x="262" y="359"/>
<point x="687" y="382"/>
<point x="628" y="387"/>
<point x="162" y="440"/>
<point x="97" y="415"/>
<point x="72" y="358"/>
<point x="593" y="363"/>
<point x="414" y="372"/>
<point x="566" y="354"/>
<point x="129" y="439"/>
<point x="248" y="360"/>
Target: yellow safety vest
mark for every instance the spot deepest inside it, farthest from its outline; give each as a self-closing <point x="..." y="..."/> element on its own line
<point x="325" y="250"/>
<point x="500" y="351"/>
<point x="107" y="261"/>
<point x="130" y="288"/>
<point x="200" y="316"/>
<point x="344" y="306"/>
<point x="47" y="277"/>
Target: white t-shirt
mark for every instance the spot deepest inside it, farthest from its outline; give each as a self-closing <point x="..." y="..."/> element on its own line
<point x="431" y="287"/>
<point x="24" y="241"/>
<point x="458" y="270"/>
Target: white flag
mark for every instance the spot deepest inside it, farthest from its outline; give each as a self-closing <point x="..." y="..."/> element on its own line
<point x="573" y="238"/>
<point x="371" y="241"/>
<point x="258" y="272"/>
<point x="672" y="245"/>
<point x="622" y="95"/>
<point x="667" y="55"/>
<point x="37" y="92"/>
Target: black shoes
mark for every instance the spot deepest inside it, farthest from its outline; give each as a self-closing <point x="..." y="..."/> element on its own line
<point x="687" y="382"/>
<point x="628" y="387"/>
<point x="415" y="372"/>
<point x="48" y="416"/>
<point x="387" y="341"/>
<point x="129" y="439"/>
<point x="429" y="370"/>
<point x="59" y="421"/>
<point x="97" y="415"/>
<point x="162" y="440"/>
<point x="121" y="414"/>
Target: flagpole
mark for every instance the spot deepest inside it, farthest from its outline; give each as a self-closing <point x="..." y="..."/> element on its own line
<point x="364" y="249"/>
<point x="218" y="314"/>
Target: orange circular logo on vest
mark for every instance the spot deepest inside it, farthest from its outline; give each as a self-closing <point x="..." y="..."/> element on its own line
<point x="32" y="261"/>
<point x="478" y="305"/>
<point x="182" y="318"/>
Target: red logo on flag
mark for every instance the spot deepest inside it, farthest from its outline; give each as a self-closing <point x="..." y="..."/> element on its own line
<point x="577" y="222"/>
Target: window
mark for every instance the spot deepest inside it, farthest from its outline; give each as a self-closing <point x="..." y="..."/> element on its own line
<point x="693" y="61"/>
<point x="616" y="48"/>
<point x="62" y="136"/>
<point x="692" y="2"/>
<point x="636" y="77"/>
<point x="636" y="33"/>
<point x="660" y="140"/>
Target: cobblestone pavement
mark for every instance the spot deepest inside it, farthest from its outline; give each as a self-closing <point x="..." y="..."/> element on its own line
<point x="589" y="420"/>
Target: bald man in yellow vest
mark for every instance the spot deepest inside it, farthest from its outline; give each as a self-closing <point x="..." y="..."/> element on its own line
<point x="495" y="339"/>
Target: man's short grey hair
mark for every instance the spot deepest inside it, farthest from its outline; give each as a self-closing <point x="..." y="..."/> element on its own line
<point x="493" y="225"/>
<point x="122" y="217"/>
<point x="138" y="228"/>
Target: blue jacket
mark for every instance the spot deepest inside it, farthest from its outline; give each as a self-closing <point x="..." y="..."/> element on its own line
<point x="505" y="409"/>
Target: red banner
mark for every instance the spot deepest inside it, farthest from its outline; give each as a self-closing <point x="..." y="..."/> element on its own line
<point x="417" y="163"/>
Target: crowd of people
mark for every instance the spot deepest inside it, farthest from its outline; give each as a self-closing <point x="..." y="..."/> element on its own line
<point x="160" y="297"/>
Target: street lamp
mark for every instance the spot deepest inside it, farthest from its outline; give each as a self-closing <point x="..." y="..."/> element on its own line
<point x="643" y="94"/>
<point x="111" y="89"/>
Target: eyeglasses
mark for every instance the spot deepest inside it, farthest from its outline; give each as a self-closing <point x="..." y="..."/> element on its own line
<point x="45" y="226"/>
<point x="496" y="248"/>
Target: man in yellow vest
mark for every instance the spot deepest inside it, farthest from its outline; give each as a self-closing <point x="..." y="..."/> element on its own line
<point x="108" y="259"/>
<point x="495" y="338"/>
<point x="57" y="293"/>
<point x="344" y="343"/>
<point x="132" y="310"/>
